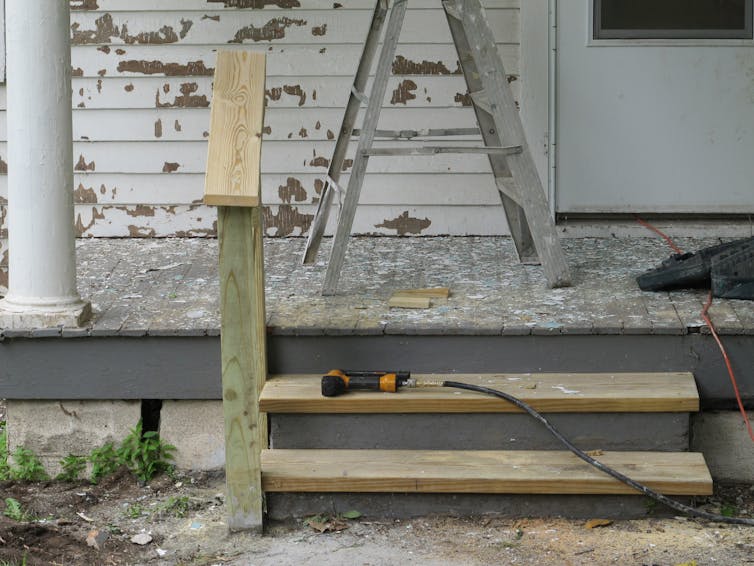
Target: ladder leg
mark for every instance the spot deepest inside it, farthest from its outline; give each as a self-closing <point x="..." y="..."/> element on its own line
<point x="474" y="32"/>
<point x="319" y="223"/>
<point x="376" y="97"/>
<point x="519" y="228"/>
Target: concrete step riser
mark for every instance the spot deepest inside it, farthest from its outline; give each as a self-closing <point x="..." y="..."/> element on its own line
<point x="501" y="431"/>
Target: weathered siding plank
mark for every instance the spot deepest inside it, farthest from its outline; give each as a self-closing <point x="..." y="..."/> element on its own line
<point x="425" y="91"/>
<point x="238" y="6"/>
<point x="286" y="60"/>
<point x="260" y="27"/>
<point x="384" y="189"/>
<point x="141" y="221"/>
<point x="312" y="124"/>
<point x="277" y="157"/>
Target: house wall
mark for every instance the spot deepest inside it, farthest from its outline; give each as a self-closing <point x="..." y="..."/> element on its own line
<point x="142" y="77"/>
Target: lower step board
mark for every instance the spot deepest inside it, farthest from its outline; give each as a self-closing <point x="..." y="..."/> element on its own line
<point x="483" y="471"/>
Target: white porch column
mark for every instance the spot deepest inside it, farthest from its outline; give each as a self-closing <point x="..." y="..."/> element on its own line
<point x="42" y="258"/>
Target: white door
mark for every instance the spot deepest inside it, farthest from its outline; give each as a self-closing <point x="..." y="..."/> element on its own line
<point x="658" y="116"/>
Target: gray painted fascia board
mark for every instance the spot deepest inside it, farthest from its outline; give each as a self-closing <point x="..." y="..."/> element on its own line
<point x="189" y="367"/>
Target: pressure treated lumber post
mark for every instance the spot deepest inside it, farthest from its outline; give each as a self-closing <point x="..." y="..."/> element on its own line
<point x="233" y="183"/>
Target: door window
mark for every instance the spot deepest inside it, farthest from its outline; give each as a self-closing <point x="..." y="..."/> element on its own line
<point x="674" y="19"/>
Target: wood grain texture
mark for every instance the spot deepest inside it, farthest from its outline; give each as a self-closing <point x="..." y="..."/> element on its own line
<point x="466" y="471"/>
<point x="244" y="361"/>
<point x="430" y="292"/>
<point x="408" y="302"/>
<point x="234" y="151"/>
<point x="552" y="392"/>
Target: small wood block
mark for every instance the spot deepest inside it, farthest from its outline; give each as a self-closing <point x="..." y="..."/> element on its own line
<point x="236" y="121"/>
<point x="546" y="392"/>
<point x="408" y="302"/>
<point x="479" y="471"/>
<point x="431" y="292"/>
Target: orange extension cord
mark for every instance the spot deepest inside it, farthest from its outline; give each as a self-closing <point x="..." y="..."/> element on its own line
<point x="713" y="330"/>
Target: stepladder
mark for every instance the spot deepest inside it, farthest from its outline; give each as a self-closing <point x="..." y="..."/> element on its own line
<point x="523" y="199"/>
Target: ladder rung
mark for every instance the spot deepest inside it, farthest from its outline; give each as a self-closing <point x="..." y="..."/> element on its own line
<point x="432" y="150"/>
<point x="431" y="132"/>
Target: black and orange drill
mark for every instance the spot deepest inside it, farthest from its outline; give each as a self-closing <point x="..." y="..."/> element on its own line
<point x="338" y="381"/>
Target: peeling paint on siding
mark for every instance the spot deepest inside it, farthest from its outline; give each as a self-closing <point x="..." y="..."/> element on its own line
<point x="404" y="93"/>
<point x="319" y="30"/>
<point x="177" y="126"/>
<point x="286" y="221"/>
<point x="82" y="195"/>
<point x="257" y="4"/>
<point x="170" y="167"/>
<point x="291" y="190"/>
<point x="140" y="210"/>
<point x="215" y="18"/>
<point x="82" y="165"/>
<point x="403" y="66"/>
<point x="302" y="133"/>
<point x="3" y="167"/>
<point x="77" y="72"/>
<point x="405" y="224"/>
<point x="185" y="100"/>
<point x="84" y="5"/>
<point x="141" y="231"/>
<point x="292" y="90"/>
<point x="158" y="129"/>
<point x="274" y="29"/>
<point x="463" y="98"/>
<point x="319" y="161"/>
<point x="129" y="87"/>
<point x="192" y="68"/>
<point x="105" y="30"/>
<point x="79" y="226"/>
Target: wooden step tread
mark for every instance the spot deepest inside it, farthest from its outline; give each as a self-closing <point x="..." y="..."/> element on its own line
<point x="465" y="471"/>
<point x="546" y="392"/>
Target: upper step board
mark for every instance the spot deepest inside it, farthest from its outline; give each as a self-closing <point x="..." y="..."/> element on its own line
<point x="546" y="392"/>
<point x="466" y="471"/>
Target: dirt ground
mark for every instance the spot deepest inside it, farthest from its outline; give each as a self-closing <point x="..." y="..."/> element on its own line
<point x="184" y="517"/>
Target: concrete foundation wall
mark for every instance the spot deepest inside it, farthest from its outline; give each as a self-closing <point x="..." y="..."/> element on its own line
<point x="723" y="439"/>
<point x="55" y="429"/>
<point x="197" y="430"/>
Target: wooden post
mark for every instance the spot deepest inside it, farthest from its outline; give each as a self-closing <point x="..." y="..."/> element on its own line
<point x="233" y="184"/>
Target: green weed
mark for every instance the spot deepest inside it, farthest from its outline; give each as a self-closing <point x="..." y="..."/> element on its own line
<point x="4" y="467"/>
<point x="26" y="466"/>
<point x="15" y="511"/>
<point x="104" y="460"/>
<point x="14" y="563"/>
<point x="176" y="506"/>
<point x="135" y="510"/>
<point x="145" y="454"/>
<point x="72" y="466"/>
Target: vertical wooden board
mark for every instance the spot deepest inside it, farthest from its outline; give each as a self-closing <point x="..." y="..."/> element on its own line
<point x="244" y="363"/>
<point x="236" y="122"/>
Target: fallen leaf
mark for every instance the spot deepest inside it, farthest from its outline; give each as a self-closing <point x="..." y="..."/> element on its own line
<point x="326" y="524"/>
<point x="594" y="523"/>
<point x="594" y="453"/>
<point x="353" y="514"/>
<point x="692" y="563"/>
